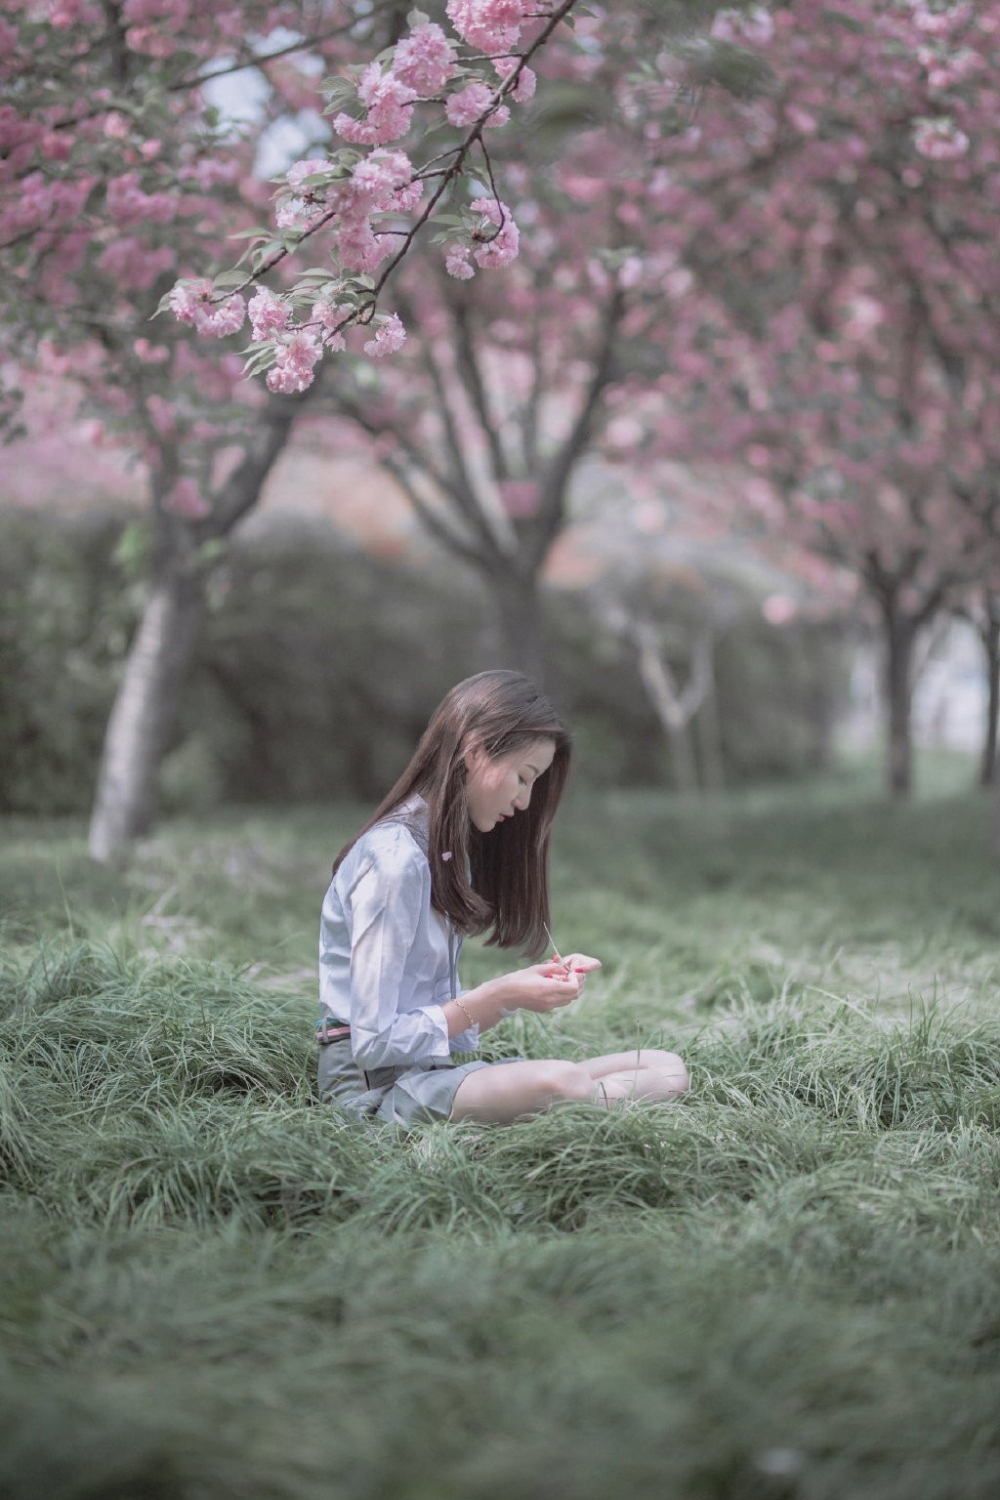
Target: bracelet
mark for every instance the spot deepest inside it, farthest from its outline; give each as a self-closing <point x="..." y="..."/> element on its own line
<point x="464" y="1009"/>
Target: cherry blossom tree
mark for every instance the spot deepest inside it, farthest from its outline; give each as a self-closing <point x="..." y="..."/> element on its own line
<point x="506" y="383"/>
<point x="117" y="175"/>
<point x="836" y="322"/>
<point x="413" y="126"/>
<point x="116" y="178"/>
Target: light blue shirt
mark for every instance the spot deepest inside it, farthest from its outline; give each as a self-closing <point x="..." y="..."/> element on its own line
<point x="387" y="960"/>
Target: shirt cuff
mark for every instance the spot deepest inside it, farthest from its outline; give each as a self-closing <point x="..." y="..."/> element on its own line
<point x="441" y="1044"/>
<point x="465" y="1041"/>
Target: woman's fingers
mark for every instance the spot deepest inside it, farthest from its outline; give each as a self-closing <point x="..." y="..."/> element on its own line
<point x="582" y="963"/>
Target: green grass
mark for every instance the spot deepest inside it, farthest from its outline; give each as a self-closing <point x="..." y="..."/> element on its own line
<point x="784" y="1288"/>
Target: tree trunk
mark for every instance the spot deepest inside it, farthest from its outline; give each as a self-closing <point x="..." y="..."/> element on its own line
<point x="709" y="731"/>
<point x="144" y="711"/>
<point x="991" y="642"/>
<point x="145" y="708"/>
<point x="899" y="635"/>
<point x="517" y="601"/>
<point x="675" y="709"/>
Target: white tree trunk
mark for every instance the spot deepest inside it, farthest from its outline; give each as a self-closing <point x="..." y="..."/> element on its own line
<point x="143" y="714"/>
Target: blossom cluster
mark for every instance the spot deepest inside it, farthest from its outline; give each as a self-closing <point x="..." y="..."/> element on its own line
<point x="364" y="196"/>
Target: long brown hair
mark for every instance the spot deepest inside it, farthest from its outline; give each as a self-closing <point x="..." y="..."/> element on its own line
<point x="496" y="882"/>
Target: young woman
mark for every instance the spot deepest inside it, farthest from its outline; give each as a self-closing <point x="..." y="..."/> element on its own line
<point x="460" y="845"/>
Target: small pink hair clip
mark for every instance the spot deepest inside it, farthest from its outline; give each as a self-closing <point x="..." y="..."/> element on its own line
<point x="446" y="856"/>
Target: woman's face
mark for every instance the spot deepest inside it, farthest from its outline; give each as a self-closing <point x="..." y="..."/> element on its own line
<point x="497" y="787"/>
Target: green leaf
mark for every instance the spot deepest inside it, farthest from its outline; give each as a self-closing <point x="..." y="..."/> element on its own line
<point x="229" y="279"/>
<point x="134" y="547"/>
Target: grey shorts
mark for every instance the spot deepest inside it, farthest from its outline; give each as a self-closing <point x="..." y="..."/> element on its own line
<point x="395" y="1096"/>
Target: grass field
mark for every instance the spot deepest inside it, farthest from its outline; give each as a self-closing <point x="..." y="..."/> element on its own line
<point x="786" y="1286"/>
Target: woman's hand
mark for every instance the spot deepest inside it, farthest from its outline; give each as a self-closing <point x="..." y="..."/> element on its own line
<point x="548" y="985"/>
<point x="542" y="987"/>
<point x="581" y="963"/>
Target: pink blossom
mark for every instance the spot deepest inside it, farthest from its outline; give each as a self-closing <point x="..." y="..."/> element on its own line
<point x="330" y="316"/>
<point x="150" y="354"/>
<point x="940" y="140"/>
<point x="471" y="103"/>
<point x="527" y="80"/>
<point x="938" y="23"/>
<point x="268" y="313"/>
<point x="499" y="243"/>
<point x="210" y="172"/>
<point x="312" y="166"/>
<point x="801" y="119"/>
<point x="778" y="609"/>
<point x="390" y="337"/>
<point x="424" y="60"/>
<point x="382" y="172"/>
<point x="65" y="13"/>
<point x="128" y="204"/>
<point x="56" y="145"/>
<point x="744" y="28"/>
<point x="630" y="274"/>
<point x="359" y="248"/>
<point x="489" y="25"/>
<point x="405" y="198"/>
<point x="224" y="319"/>
<point x="294" y="367"/>
<point x="519" y="497"/>
<point x="296" y="213"/>
<point x="456" y="262"/>
<point x="187" y="500"/>
<point x="188" y="298"/>
<point x="133" y="264"/>
<point x="174" y="12"/>
<point x="151" y="40"/>
<point x="191" y="302"/>
<point x="389" y="104"/>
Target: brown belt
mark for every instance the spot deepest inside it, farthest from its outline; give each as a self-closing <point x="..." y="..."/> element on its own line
<point x="332" y="1031"/>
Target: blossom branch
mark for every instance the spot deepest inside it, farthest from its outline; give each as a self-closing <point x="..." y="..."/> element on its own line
<point x="349" y="194"/>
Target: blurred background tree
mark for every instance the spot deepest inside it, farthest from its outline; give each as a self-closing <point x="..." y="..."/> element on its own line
<point x="781" y="279"/>
<point x="120" y="173"/>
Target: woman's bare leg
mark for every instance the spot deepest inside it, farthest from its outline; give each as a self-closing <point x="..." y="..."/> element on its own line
<point x="517" y="1090"/>
<point x="647" y="1073"/>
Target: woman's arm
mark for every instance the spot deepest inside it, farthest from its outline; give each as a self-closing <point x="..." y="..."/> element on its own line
<point x="387" y="906"/>
<point x="542" y="987"/>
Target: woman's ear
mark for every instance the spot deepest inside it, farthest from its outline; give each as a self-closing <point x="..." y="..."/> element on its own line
<point x="474" y="755"/>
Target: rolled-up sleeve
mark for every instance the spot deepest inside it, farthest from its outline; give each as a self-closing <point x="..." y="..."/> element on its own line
<point x="392" y="1023"/>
